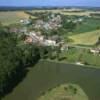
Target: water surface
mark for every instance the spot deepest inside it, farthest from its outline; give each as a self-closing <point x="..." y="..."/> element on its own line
<point x="47" y="75"/>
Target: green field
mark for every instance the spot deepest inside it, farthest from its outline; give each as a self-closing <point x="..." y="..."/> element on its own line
<point x="85" y="33"/>
<point x="89" y="24"/>
<point x="87" y="38"/>
<point x="74" y="55"/>
<point x="64" y="92"/>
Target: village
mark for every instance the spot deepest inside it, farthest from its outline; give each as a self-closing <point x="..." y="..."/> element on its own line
<point x="34" y="35"/>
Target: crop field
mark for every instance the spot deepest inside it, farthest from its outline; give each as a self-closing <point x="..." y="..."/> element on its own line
<point x="10" y="17"/>
<point x="81" y="13"/>
<point x="67" y="12"/>
<point x="88" y="38"/>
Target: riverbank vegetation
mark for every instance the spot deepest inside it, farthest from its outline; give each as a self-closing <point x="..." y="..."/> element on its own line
<point x="74" y="55"/>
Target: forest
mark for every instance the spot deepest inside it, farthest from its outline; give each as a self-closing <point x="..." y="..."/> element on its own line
<point x="14" y="60"/>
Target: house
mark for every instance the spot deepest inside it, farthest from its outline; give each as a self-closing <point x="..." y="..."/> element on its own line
<point x="79" y="63"/>
<point x="49" y="43"/>
<point x="68" y="20"/>
<point x="95" y="51"/>
<point x="25" y="21"/>
<point x="35" y="37"/>
<point x="80" y="19"/>
<point x="39" y="24"/>
<point x="46" y="26"/>
<point x="23" y="30"/>
<point x="64" y="47"/>
<point x="21" y="21"/>
<point x="14" y="30"/>
<point x="28" y="39"/>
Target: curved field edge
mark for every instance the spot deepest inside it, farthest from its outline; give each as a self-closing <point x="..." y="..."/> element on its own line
<point x="71" y="63"/>
<point x="64" y="92"/>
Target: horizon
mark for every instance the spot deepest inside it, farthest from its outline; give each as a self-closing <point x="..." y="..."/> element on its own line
<point x="49" y="3"/>
<point x="51" y="6"/>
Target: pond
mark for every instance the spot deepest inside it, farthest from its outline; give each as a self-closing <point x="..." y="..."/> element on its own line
<point x="45" y="75"/>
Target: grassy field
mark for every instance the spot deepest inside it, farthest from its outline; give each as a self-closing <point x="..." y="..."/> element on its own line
<point x="86" y="33"/>
<point x="74" y="55"/>
<point x="65" y="92"/>
<point x="88" y="38"/>
<point x="11" y="17"/>
<point x="89" y="24"/>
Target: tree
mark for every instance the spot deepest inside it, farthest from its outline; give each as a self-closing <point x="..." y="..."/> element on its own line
<point x="42" y="52"/>
<point x="98" y="42"/>
<point x="49" y="50"/>
<point x="58" y="52"/>
<point x="1" y="24"/>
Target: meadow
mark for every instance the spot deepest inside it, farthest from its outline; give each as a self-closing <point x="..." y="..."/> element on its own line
<point x="86" y="38"/>
<point x="88" y="24"/>
<point x="74" y="55"/>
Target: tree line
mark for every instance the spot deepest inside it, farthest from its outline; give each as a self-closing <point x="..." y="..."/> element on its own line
<point x="14" y="60"/>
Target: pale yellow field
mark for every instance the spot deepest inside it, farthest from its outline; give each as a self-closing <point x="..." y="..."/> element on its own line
<point x="86" y="13"/>
<point x="78" y="13"/>
<point x="88" y="38"/>
<point x="12" y="17"/>
<point x="22" y="14"/>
